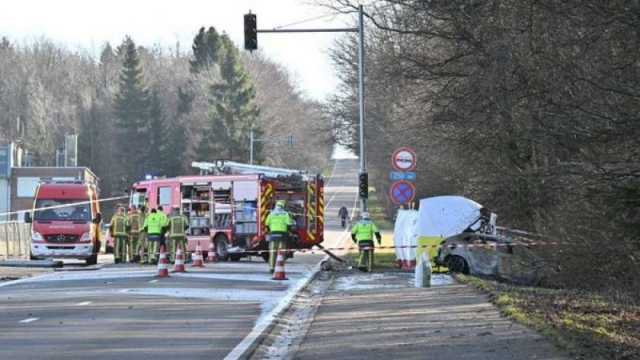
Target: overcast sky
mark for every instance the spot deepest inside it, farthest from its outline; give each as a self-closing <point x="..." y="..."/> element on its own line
<point x="90" y="23"/>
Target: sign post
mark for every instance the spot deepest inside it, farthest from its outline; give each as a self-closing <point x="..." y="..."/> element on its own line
<point x="402" y="190"/>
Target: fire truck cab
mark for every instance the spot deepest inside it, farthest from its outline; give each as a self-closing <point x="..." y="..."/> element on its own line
<point x="229" y="208"/>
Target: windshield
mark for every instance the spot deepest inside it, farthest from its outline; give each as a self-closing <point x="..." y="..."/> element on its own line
<point x="58" y="210"/>
<point x="138" y="198"/>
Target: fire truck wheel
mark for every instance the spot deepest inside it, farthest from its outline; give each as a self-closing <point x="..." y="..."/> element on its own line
<point x="92" y="260"/>
<point x="265" y="256"/>
<point x="221" y="247"/>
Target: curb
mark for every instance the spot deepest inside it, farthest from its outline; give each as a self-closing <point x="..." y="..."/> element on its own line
<point x="246" y="348"/>
<point x="32" y="263"/>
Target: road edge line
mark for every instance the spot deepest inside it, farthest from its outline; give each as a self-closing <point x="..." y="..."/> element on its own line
<point x="250" y="343"/>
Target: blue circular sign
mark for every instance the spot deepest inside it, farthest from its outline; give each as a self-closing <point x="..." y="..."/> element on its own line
<point x="402" y="192"/>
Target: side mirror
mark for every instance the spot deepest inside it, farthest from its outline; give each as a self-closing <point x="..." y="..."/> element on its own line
<point x="27" y="217"/>
<point x="97" y="219"/>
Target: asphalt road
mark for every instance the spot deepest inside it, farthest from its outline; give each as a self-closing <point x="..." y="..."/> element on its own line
<point x="124" y="311"/>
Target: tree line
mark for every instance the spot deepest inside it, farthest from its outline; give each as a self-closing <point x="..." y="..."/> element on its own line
<point x="528" y="107"/>
<point x="153" y="110"/>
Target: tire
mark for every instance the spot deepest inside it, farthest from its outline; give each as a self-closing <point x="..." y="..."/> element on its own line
<point x="222" y="244"/>
<point x="109" y="249"/>
<point x="92" y="260"/>
<point x="457" y="264"/>
<point x="265" y="256"/>
<point x="235" y="257"/>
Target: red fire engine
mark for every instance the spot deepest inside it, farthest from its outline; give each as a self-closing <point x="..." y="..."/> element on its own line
<point x="229" y="208"/>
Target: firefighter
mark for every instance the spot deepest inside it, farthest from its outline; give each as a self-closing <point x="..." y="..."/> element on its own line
<point x="118" y="230"/>
<point x="143" y="247"/>
<point x="178" y="224"/>
<point x="278" y="223"/>
<point x="362" y="233"/>
<point x="134" y="225"/>
<point x="165" y="221"/>
<point x="154" y="225"/>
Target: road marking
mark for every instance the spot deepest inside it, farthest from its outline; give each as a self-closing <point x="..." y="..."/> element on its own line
<point x="84" y="303"/>
<point x="153" y="281"/>
<point x="26" y="321"/>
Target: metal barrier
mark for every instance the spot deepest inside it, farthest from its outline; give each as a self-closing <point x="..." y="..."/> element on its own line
<point x="15" y="240"/>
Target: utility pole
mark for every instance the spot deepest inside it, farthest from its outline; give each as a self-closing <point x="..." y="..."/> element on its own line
<point x="251" y="43"/>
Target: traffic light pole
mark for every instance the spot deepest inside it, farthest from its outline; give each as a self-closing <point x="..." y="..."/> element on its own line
<point x="253" y="44"/>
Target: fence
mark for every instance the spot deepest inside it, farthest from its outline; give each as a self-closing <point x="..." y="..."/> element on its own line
<point x="15" y="240"/>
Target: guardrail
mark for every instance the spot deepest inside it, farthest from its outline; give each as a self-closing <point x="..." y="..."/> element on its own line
<point x="15" y="240"/>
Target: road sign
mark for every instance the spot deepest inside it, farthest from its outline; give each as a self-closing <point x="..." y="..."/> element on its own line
<point x="399" y="175"/>
<point x="402" y="192"/>
<point x="404" y="159"/>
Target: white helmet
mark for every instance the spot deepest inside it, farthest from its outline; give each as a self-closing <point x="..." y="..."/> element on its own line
<point x="365" y="216"/>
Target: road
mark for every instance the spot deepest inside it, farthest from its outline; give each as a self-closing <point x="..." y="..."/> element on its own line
<point x="125" y="311"/>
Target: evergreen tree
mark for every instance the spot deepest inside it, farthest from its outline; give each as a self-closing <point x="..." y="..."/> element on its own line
<point x="233" y="110"/>
<point x="157" y="137"/>
<point x="207" y="49"/>
<point x="131" y="107"/>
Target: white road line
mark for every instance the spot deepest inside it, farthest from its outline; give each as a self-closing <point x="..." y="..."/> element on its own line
<point x="26" y="321"/>
<point x="153" y="281"/>
<point x="84" y="303"/>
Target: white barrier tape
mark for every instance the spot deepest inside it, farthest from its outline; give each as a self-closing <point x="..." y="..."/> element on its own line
<point x="63" y="205"/>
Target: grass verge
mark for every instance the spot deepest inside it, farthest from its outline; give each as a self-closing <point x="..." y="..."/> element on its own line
<point x="587" y="325"/>
<point x="377" y="212"/>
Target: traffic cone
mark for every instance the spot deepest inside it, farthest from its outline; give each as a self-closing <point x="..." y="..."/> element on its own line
<point x="179" y="264"/>
<point x="163" y="264"/>
<point x="278" y="273"/>
<point x="211" y="255"/>
<point x="197" y="257"/>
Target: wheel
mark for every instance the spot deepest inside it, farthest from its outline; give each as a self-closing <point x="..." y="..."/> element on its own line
<point x="109" y="249"/>
<point x="222" y="246"/>
<point x="235" y="257"/>
<point x="457" y="264"/>
<point x="265" y="256"/>
<point x="92" y="260"/>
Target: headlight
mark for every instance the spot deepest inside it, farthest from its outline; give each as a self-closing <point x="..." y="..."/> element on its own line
<point x="36" y="236"/>
<point x="86" y="237"/>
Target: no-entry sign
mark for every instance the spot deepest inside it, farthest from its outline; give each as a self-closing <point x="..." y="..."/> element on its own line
<point x="404" y="159"/>
<point x="402" y="192"/>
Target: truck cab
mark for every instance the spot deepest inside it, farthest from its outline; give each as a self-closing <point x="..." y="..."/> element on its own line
<point x="65" y="221"/>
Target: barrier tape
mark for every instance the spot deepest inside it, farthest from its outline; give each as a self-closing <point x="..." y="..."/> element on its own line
<point x="63" y="205"/>
<point x="452" y="247"/>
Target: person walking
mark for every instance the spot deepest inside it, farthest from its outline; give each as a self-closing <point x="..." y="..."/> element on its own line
<point x="278" y="223"/>
<point x="178" y="225"/>
<point x="154" y="226"/>
<point x="362" y="233"/>
<point x="118" y="229"/>
<point x="134" y="225"/>
<point x="343" y="213"/>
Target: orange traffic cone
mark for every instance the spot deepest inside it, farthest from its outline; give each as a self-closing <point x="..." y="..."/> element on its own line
<point x="278" y="273"/>
<point x="211" y="255"/>
<point x="197" y="257"/>
<point x="163" y="263"/>
<point x="179" y="264"/>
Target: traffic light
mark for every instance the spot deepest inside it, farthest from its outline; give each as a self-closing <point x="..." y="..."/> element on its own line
<point x="363" y="185"/>
<point x="250" y="32"/>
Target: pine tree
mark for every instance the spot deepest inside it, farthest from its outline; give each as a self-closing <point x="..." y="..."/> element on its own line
<point x="206" y="49"/>
<point x="233" y="104"/>
<point x="131" y="107"/>
<point x="157" y="137"/>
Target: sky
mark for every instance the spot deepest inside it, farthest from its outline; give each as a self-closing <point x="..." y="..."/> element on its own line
<point x="88" y="24"/>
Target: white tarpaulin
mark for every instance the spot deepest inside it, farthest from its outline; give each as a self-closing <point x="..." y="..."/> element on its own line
<point x="444" y="216"/>
<point x="404" y="234"/>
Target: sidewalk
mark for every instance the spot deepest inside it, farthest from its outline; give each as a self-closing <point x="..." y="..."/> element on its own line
<point x="381" y="316"/>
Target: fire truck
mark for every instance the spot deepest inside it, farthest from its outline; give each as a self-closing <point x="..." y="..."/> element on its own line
<point x="228" y="203"/>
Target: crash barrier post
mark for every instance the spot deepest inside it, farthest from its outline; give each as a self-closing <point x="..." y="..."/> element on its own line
<point x="179" y="262"/>
<point x="423" y="271"/>
<point x="278" y="273"/>
<point x="196" y="257"/>
<point x="15" y="240"/>
<point x="163" y="263"/>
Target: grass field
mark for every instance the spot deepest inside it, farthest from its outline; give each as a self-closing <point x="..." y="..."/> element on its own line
<point x="587" y="325"/>
<point x="376" y="210"/>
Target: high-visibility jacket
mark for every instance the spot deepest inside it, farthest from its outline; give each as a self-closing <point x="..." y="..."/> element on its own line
<point x="154" y="223"/>
<point x="364" y="230"/>
<point x="134" y="223"/>
<point x="118" y="225"/>
<point x="178" y="224"/>
<point x="279" y="221"/>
